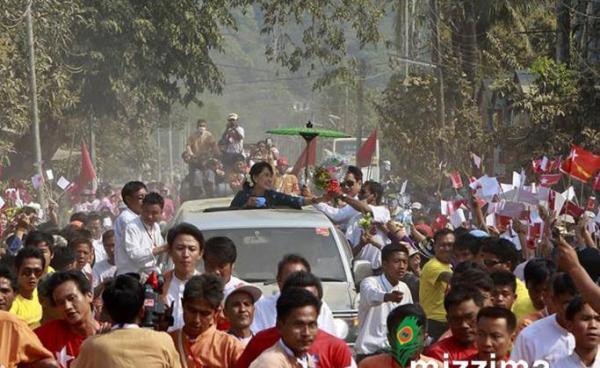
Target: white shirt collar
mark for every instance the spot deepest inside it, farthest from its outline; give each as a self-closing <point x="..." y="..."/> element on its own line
<point x="124" y="326"/>
<point x="304" y="360"/>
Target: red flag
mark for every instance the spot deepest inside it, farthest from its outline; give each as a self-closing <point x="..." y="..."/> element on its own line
<point x="548" y="180"/>
<point x="596" y="185"/>
<point x="456" y="180"/>
<point x="364" y="155"/>
<point x="87" y="173"/>
<point x="581" y="164"/>
<point x="312" y="157"/>
<point x="440" y="222"/>
<point x="572" y="209"/>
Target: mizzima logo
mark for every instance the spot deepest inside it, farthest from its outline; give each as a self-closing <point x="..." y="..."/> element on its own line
<point x="481" y="363"/>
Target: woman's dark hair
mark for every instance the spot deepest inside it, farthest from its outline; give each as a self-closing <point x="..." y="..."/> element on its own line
<point x="295" y="298"/>
<point x="185" y="228"/>
<point x="207" y="287"/>
<point x="123" y="299"/>
<point x="255" y="170"/>
<point x="58" y="278"/>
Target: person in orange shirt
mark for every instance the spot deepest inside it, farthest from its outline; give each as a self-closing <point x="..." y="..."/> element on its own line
<point x="414" y="319"/>
<point x="199" y="343"/>
<point x="286" y="182"/>
<point x="21" y="346"/>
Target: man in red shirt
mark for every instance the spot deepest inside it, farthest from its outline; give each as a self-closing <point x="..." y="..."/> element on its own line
<point x="70" y="292"/>
<point x="331" y="352"/>
<point x="462" y="305"/>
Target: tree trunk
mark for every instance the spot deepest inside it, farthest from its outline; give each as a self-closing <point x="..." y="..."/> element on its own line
<point x="470" y="59"/>
<point x="563" y="31"/>
<point x="21" y="161"/>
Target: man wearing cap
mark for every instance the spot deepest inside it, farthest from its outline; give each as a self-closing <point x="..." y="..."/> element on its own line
<point x="286" y="182"/>
<point x="239" y="311"/>
<point x="232" y="140"/>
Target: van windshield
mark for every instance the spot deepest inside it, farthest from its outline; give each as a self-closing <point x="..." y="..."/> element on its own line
<point x="259" y="251"/>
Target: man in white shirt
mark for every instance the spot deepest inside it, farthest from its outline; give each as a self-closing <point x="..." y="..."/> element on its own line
<point x="186" y="244"/>
<point x="93" y="223"/>
<point x="219" y="259"/>
<point x="368" y="239"/>
<point x="233" y="140"/>
<point x="351" y="187"/>
<point x="143" y="240"/>
<point x="548" y="339"/>
<point x="265" y="314"/>
<point x="379" y="295"/>
<point x="584" y="323"/>
<point x="133" y="194"/>
<point x="106" y="268"/>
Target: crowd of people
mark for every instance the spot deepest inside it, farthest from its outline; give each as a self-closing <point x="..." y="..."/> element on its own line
<point x="218" y="168"/>
<point x="109" y="289"/>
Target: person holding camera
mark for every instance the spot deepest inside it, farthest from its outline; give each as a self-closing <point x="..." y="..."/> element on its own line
<point x="232" y="141"/>
<point x="258" y="191"/>
<point x="120" y="347"/>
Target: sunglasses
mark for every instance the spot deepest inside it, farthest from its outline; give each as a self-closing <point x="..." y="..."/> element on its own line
<point x="32" y="271"/>
<point x="491" y="262"/>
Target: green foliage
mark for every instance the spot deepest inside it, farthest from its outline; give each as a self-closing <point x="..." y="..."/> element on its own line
<point x="408" y="116"/>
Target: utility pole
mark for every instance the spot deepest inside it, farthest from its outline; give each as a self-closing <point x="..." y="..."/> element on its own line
<point x="158" y="164"/>
<point x="91" y="121"/>
<point x="360" y="102"/>
<point x="171" y="171"/>
<point x="436" y="57"/>
<point x="406" y="37"/>
<point x="37" y="146"/>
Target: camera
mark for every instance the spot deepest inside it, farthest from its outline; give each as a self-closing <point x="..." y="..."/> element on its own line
<point x="155" y="310"/>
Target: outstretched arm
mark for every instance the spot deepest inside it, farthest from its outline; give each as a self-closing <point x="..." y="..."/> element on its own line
<point x="568" y="262"/>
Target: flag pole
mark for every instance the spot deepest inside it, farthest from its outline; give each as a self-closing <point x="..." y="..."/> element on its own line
<point x="581" y="195"/>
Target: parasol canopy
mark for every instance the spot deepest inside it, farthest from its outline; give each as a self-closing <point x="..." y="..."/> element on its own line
<point x="308" y="133"/>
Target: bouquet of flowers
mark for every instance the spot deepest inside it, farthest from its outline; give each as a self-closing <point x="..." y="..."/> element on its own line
<point x="366" y="222"/>
<point x="328" y="175"/>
